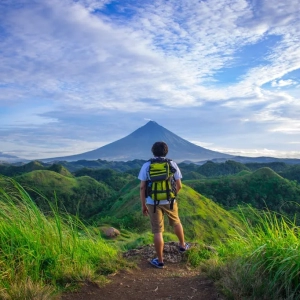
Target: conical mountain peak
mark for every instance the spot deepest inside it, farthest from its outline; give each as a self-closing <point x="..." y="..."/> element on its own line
<point x="138" y="144"/>
<point x="151" y="123"/>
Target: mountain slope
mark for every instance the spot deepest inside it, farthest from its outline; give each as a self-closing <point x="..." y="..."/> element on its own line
<point x="202" y="218"/>
<point x="137" y="145"/>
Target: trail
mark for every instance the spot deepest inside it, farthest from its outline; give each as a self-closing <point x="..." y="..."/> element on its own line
<point x="175" y="282"/>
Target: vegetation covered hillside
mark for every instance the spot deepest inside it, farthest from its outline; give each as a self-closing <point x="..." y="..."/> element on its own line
<point x="115" y="179"/>
<point x="60" y="170"/>
<point x="291" y="173"/>
<point x="262" y="188"/>
<point x="81" y="195"/>
<point x="202" y="218"/>
<point x="11" y="170"/>
<point x="121" y="166"/>
<point x="43" y="254"/>
<point x="211" y="169"/>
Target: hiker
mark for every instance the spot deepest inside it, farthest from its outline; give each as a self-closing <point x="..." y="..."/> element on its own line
<point x="157" y="208"/>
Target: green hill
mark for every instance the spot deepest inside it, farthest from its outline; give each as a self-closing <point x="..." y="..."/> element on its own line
<point x="83" y="195"/>
<point x="193" y="175"/>
<point x="211" y="169"/>
<point x="275" y="166"/>
<point x="10" y="170"/>
<point x="115" y="179"/>
<point x="242" y="173"/>
<point x="202" y="218"/>
<point x="60" y="170"/>
<point x="292" y="173"/>
<point x="121" y="166"/>
<point x="262" y="188"/>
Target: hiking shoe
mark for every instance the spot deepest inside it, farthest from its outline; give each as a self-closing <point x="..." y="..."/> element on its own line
<point x="186" y="247"/>
<point x="154" y="262"/>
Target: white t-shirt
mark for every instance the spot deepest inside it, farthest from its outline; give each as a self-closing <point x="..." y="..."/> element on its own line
<point x="143" y="176"/>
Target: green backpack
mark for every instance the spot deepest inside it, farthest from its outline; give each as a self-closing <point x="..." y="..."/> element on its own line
<point x="161" y="184"/>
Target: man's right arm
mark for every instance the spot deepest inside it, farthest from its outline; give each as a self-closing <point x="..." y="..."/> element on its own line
<point x="143" y="197"/>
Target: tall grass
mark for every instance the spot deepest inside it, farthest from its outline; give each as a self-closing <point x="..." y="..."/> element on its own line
<point x="39" y="254"/>
<point x="263" y="262"/>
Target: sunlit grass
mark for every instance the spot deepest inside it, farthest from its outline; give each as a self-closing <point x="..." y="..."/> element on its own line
<point x="43" y="253"/>
<point x="263" y="262"/>
<point x="50" y="251"/>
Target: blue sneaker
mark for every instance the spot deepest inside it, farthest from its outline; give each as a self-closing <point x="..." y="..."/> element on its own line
<point x="186" y="247"/>
<point x="154" y="262"/>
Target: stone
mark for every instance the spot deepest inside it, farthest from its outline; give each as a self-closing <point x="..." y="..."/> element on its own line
<point x="111" y="232"/>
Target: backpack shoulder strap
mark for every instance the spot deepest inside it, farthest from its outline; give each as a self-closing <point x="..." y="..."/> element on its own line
<point x="173" y="170"/>
<point x="160" y="159"/>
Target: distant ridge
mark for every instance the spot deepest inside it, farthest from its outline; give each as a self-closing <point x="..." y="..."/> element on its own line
<point x="137" y="145"/>
<point x="259" y="159"/>
<point x="10" y="158"/>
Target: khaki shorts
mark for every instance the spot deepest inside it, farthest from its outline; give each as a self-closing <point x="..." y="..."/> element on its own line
<point x="157" y="218"/>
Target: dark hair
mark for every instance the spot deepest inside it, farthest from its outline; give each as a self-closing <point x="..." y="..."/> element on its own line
<point x="160" y="149"/>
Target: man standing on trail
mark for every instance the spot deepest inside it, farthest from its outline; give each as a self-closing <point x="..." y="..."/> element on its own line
<point x="157" y="208"/>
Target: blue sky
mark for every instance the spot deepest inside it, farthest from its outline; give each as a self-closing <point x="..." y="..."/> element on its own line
<point x="76" y="75"/>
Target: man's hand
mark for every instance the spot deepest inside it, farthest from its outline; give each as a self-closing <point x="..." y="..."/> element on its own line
<point x="145" y="210"/>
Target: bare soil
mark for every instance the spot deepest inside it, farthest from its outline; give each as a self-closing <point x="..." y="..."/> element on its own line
<point x="175" y="282"/>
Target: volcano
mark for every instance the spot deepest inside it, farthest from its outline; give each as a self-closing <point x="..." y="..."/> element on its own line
<point x="137" y="145"/>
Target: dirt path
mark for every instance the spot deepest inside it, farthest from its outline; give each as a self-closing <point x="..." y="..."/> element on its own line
<point x="175" y="282"/>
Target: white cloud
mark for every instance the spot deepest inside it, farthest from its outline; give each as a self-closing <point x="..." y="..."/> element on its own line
<point x="162" y="56"/>
<point x="281" y="83"/>
<point x="27" y="150"/>
<point x="259" y="152"/>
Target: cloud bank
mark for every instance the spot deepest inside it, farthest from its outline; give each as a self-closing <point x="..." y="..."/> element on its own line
<point x="75" y="75"/>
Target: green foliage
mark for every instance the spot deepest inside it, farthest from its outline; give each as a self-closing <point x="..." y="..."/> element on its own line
<point x="46" y="251"/>
<point x="193" y="175"/>
<point x="60" y="170"/>
<point x="292" y="173"/>
<point x="202" y="218"/>
<point x="211" y="169"/>
<point x="275" y="166"/>
<point x="10" y="170"/>
<point x="200" y="253"/>
<point x="121" y="166"/>
<point x="83" y="195"/>
<point x="262" y="262"/>
<point x="185" y="168"/>
<point x="138" y="241"/>
<point x="263" y="188"/>
<point x="114" y="179"/>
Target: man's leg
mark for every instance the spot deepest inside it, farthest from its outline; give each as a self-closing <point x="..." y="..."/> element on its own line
<point x="159" y="245"/>
<point x="178" y="230"/>
<point x="157" y="224"/>
<point x="175" y="222"/>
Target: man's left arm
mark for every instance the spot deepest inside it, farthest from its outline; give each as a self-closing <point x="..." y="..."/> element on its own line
<point x="178" y="185"/>
<point x="178" y="177"/>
